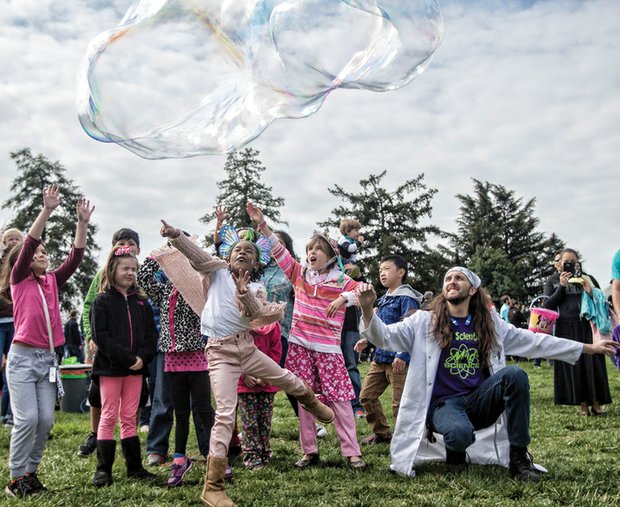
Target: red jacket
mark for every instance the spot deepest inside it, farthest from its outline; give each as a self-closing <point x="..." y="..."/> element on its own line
<point x="267" y="340"/>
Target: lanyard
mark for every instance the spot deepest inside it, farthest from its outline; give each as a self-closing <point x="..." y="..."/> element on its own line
<point x="456" y="322"/>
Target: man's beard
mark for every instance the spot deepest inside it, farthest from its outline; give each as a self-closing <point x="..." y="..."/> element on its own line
<point x="456" y="300"/>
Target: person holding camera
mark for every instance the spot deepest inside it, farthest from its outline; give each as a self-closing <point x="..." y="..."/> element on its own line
<point x="584" y="383"/>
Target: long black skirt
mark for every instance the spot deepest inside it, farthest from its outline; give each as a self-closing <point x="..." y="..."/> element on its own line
<point x="586" y="380"/>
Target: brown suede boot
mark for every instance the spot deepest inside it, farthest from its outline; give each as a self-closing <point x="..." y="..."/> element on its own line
<point x="213" y="493"/>
<point x="319" y="410"/>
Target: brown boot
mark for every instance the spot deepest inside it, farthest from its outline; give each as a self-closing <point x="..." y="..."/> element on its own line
<point x="213" y="493"/>
<point x="319" y="410"/>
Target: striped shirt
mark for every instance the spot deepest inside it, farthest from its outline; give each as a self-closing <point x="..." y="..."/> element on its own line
<point x="311" y="328"/>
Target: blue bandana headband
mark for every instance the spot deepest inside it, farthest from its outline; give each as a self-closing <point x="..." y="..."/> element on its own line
<point x="473" y="278"/>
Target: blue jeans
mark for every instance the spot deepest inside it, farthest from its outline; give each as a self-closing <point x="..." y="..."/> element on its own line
<point x="145" y="414"/>
<point x="162" y="416"/>
<point x="457" y="418"/>
<point x="348" y="341"/>
<point x="6" y="337"/>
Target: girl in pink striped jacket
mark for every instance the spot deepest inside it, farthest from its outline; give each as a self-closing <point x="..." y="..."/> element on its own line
<point x="322" y="291"/>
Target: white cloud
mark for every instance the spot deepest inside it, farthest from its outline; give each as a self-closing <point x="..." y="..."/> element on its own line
<point x="524" y="97"/>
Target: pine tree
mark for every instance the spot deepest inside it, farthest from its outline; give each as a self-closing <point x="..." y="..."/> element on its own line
<point x="497" y="237"/>
<point x="391" y="224"/>
<point x="243" y="183"/>
<point x="26" y="201"/>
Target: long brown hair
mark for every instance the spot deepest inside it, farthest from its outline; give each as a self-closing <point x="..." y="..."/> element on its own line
<point x="8" y="260"/>
<point x="482" y="319"/>
<point x="107" y="275"/>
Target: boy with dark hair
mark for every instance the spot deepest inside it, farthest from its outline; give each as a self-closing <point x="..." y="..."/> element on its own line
<point x="388" y="368"/>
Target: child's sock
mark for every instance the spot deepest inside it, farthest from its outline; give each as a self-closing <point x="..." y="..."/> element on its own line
<point x="178" y="459"/>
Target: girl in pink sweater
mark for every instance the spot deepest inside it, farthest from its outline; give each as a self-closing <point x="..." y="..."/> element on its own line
<point x="321" y="292"/>
<point x="31" y="363"/>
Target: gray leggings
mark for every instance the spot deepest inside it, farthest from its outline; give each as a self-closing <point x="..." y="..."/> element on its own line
<point x="33" y="399"/>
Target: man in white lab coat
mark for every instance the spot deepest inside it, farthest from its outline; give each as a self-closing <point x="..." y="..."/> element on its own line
<point x="459" y="395"/>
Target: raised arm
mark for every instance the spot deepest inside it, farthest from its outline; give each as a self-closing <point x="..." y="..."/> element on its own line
<point x="220" y="215"/>
<point x="84" y="211"/>
<point x="68" y="267"/>
<point x="256" y="215"/>
<point x="51" y="200"/>
<point x="200" y="260"/>
<point x="283" y="258"/>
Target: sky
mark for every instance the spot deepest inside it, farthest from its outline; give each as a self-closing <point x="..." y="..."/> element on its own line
<point x="523" y="94"/>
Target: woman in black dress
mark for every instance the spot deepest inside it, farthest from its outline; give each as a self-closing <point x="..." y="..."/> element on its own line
<point x="584" y="383"/>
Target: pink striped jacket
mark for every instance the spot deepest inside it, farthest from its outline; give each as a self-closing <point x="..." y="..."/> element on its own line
<point x="311" y="328"/>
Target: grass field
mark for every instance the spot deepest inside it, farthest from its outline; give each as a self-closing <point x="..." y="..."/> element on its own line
<point x="581" y="453"/>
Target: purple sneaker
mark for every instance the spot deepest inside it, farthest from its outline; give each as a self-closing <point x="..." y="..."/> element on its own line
<point x="177" y="472"/>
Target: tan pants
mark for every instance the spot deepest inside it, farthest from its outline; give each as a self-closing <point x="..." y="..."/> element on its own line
<point x="229" y="358"/>
<point x="376" y="381"/>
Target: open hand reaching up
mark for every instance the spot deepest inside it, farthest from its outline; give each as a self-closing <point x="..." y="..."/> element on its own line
<point x="51" y="197"/>
<point x="220" y="214"/>
<point x="254" y="212"/>
<point x="84" y="210"/>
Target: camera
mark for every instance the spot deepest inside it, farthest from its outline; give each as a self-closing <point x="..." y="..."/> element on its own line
<point x="569" y="267"/>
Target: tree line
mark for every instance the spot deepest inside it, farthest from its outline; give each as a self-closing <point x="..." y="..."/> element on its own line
<point x="496" y="235"/>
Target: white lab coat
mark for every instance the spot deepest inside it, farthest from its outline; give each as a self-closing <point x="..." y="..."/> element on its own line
<point x="410" y="444"/>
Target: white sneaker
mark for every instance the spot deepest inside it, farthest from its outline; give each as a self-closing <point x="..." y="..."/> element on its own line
<point x="320" y="431"/>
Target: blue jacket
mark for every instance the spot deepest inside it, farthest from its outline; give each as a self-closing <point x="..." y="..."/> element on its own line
<point x="394" y="307"/>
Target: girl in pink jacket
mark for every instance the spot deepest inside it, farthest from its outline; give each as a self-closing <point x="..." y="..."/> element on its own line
<point x="32" y="368"/>
<point x="321" y="292"/>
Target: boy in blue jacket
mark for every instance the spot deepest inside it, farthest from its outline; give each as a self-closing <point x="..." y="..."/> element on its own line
<point x="388" y="368"/>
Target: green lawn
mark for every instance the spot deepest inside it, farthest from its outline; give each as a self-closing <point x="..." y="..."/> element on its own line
<point x="581" y="453"/>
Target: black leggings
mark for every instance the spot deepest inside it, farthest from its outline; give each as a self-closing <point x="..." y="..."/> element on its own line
<point x="187" y="389"/>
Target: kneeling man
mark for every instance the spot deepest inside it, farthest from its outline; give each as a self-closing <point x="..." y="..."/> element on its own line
<point x="458" y="381"/>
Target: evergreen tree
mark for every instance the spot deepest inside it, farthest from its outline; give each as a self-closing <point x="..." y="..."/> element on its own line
<point x="497" y="238"/>
<point x="391" y="224"/>
<point x="243" y="183"/>
<point x="26" y="201"/>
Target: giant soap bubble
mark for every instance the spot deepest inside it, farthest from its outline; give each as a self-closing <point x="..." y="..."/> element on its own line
<point x="180" y="78"/>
